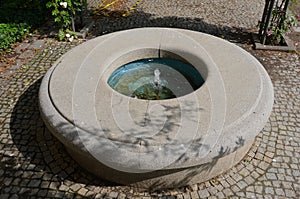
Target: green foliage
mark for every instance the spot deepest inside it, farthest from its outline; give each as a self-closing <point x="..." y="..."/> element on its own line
<point x="10" y="33"/>
<point x="63" y="11"/>
<point x="281" y="23"/>
<point x="17" y="17"/>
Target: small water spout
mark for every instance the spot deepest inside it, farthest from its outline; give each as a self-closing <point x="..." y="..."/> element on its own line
<point x="157" y="82"/>
<point x="157" y="78"/>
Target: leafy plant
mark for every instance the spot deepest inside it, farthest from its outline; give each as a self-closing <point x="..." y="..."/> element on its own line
<point x="281" y="23"/>
<point x="12" y="32"/>
<point x="18" y="17"/>
<point x="63" y="11"/>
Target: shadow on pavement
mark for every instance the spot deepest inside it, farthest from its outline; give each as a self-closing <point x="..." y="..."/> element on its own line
<point x="138" y="19"/>
<point x="42" y="156"/>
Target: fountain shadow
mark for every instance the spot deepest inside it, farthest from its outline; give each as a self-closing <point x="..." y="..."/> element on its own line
<point x="153" y="180"/>
<point x="139" y="19"/>
<point x="51" y="160"/>
<point x="142" y="145"/>
<point x="41" y="156"/>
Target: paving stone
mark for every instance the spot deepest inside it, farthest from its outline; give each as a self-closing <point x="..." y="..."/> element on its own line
<point x="212" y="190"/>
<point x="179" y="196"/>
<point x="220" y="195"/>
<point x="59" y="194"/>
<point x="83" y="191"/>
<point x="250" y="189"/>
<point x="241" y="194"/>
<point x="27" y="54"/>
<point x="271" y="176"/>
<point x="268" y="196"/>
<point x="194" y="195"/>
<point x="290" y="193"/>
<point x="212" y="197"/>
<point x="277" y="183"/>
<point x="230" y="181"/>
<point x="98" y="196"/>
<point x="235" y="188"/>
<point x="224" y="184"/>
<point x="203" y="193"/>
<point x="186" y="195"/>
<point x="121" y="196"/>
<point x="269" y="190"/>
<point x="42" y="193"/>
<point x="263" y="165"/>
<point x="54" y="185"/>
<point x="279" y="192"/>
<point x="250" y="195"/>
<point x="75" y="187"/>
<point x="249" y="180"/>
<point x="21" y="47"/>
<point x="15" y="190"/>
<point x="34" y="183"/>
<point x="113" y="194"/>
<point x="37" y="44"/>
<point x="227" y="192"/>
<point x="63" y="187"/>
<point x="241" y="184"/>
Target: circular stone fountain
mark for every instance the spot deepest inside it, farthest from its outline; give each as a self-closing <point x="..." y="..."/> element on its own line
<point x="156" y="107"/>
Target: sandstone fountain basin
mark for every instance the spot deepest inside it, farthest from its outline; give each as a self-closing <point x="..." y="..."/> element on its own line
<point x="156" y="144"/>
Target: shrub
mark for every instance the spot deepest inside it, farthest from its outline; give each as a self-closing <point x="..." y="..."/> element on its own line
<point x="17" y="17"/>
<point x="12" y="32"/>
<point x="63" y="11"/>
<point x="281" y="23"/>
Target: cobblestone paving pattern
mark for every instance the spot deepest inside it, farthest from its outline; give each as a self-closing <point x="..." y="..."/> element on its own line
<point x="33" y="164"/>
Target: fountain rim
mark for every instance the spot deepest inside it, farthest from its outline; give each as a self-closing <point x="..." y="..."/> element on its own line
<point x="263" y="109"/>
<point x="125" y="56"/>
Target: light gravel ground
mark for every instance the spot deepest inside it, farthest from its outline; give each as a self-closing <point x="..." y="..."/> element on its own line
<point x="232" y="20"/>
<point x="233" y="13"/>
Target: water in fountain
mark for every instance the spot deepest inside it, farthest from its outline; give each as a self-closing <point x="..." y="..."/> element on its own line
<point x="155" y="79"/>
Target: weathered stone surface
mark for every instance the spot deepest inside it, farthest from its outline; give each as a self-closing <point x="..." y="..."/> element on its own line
<point x="102" y="133"/>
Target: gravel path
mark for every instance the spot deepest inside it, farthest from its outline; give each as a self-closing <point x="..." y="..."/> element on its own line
<point x="233" y="13"/>
<point x="231" y="20"/>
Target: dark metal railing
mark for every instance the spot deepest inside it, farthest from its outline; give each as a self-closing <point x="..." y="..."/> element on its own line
<point x="267" y="16"/>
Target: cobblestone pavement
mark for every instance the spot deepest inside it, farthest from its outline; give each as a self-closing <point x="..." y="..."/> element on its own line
<point x="33" y="164"/>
